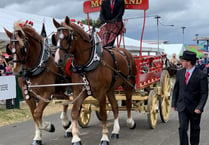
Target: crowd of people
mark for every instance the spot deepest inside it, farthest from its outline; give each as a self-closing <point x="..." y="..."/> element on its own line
<point x="201" y="63"/>
<point x="5" y="67"/>
<point x="5" y="70"/>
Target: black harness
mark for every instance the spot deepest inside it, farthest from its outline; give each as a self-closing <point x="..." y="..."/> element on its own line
<point x="42" y="61"/>
<point x="95" y="58"/>
<point x="41" y="64"/>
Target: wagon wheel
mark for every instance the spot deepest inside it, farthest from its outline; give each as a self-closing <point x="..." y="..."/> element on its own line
<point x="152" y="109"/>
<point x="164" y="99"/>
<point x="85" y="115"/>
<point x="107" y="111"/>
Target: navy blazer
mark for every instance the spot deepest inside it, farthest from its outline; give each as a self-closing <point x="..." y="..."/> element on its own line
<point x="118" y="11"/>
<point x="193" y="95"/>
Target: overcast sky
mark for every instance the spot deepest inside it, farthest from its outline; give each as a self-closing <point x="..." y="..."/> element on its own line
<point x="193" y="14"/>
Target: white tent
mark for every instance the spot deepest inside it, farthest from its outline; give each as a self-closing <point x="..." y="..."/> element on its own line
<point x="169" y="49"/>
<point x="8" y="18"/>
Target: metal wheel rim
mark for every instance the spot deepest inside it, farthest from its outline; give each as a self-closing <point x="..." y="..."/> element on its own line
<point x="164" y="100"/>
<point x="85" y="115"/>
<point x="152" y="109"/>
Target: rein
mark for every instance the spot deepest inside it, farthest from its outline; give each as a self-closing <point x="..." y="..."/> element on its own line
<point x="117" y="72"/>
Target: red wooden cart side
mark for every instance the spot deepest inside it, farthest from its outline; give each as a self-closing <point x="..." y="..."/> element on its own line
<point x="149" y="69"/>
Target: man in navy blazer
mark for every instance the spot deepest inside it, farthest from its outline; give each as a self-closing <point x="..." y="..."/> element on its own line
<point x="189" y="98"/>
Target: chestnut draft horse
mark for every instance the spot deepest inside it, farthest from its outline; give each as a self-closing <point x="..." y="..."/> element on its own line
<point x="102" y="70"/>
<point x="34" y="65"/>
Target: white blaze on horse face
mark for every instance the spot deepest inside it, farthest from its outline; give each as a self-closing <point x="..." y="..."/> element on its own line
<point x="57" y="56"/>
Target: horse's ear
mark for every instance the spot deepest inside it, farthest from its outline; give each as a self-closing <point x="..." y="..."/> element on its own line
<point x="56" y="24"/>
<point x="67" y="20"/>
<point x="9" y="34"/>
<point x="43" y="31"/>
<point x="20" y="34"/>
<point x="54" y="41"/>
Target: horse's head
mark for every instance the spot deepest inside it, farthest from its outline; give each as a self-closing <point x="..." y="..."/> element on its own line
<point x="23" y="46"/>
<point x="69" y="40"/>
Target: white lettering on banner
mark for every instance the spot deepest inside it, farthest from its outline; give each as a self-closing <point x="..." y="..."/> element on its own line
<point x="7" y="87"/>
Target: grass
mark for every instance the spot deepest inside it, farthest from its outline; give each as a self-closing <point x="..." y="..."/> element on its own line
<point x="13" y="115"/>
<point x="10" y="116"/>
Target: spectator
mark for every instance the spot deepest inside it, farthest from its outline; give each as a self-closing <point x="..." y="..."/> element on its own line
<point x="2" y="67"/>
<point x="200" y="65"/>
<point x="9" y="69"/>
<point x="111" y="13"/>
<point x="206" y="70"/>
<point x="205" y="59"/>
<point x="10" y="103"/>
<point x="174" y="60"/>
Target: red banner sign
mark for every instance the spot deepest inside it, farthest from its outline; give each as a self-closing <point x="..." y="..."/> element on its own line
<point x="94" y="5"/>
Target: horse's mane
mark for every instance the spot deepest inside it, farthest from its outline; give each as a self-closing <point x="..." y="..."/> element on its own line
<point x="27" y="29"/>
<point x="79" y="30"/>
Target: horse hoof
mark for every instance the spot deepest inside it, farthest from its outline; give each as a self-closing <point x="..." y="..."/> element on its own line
<point x="104" y="142"/>
<point x="77" y="143"/>
<point x="134" y="126"/>
<point x="36" y="142"/>
<point x="115" y="136"/>
<point x="68" y="134"/>
<point x="66" y="127"/>
<point x="52" y="128"/>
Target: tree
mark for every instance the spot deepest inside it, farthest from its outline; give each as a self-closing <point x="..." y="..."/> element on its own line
<point x="95" y="23"/>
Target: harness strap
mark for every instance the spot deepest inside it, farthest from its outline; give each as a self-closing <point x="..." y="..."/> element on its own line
<point x="129" y="67"/>
<point x="115" y="74"/>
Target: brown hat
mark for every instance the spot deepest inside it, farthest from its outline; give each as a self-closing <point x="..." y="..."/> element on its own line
<point x="189" y="55"/>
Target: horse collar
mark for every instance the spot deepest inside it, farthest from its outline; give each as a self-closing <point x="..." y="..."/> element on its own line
<point x="43" y="59"/>
<point x="95" y="58"/>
